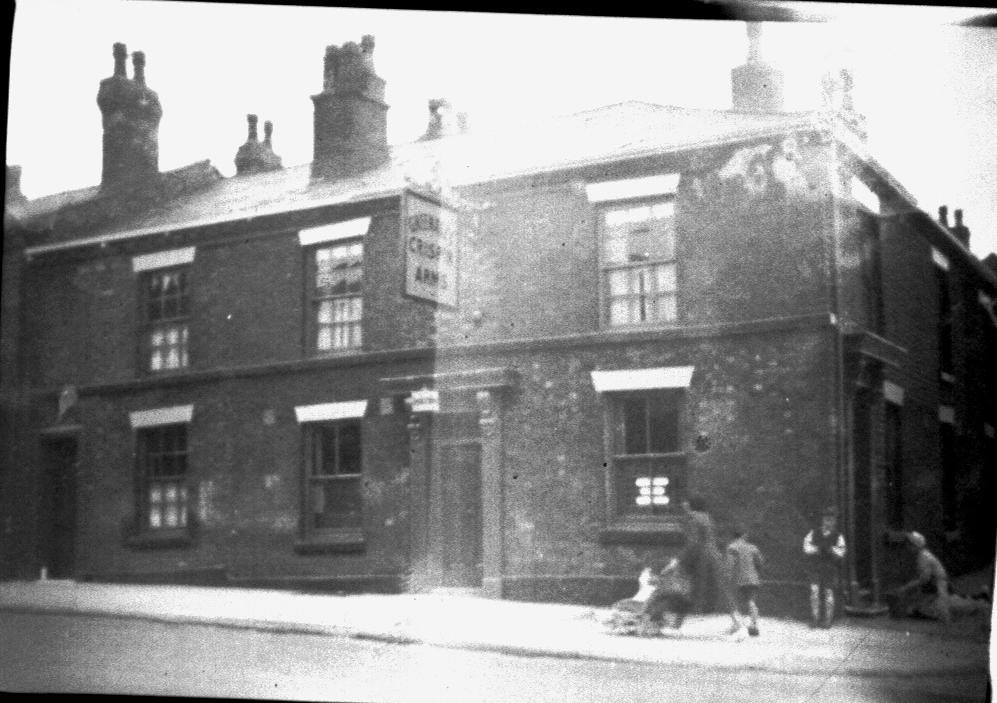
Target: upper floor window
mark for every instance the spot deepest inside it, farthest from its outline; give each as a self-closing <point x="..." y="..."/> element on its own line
<point x="336" y="291"/>
<point x="167" y="310"/>
<point x="164" y="296"/>
<point x="638" y="263"/>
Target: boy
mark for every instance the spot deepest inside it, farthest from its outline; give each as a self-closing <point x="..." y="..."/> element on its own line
<point x="745" y="562"/>
<point x="928" y="593"/>
<point x="825" y="551"/>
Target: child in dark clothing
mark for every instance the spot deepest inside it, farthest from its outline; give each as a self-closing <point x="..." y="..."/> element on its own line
<point x="744" y="560"/>
<point x="824" y="548"/>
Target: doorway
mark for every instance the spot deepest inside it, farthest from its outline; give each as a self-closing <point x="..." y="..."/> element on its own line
<point x="862" y="497"/>
<point x="458" y="466"/>
<point x="57" y="543"/>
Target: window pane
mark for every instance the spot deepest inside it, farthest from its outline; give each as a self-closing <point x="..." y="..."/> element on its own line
<point x="665" y="278"/>
<point x="324" y="341"/>
<point x="663" y="424"/>
<point x="350" y="448"/>
<point x="619" y="312"/>
<point x="619" y="282"/>
<point x="326" y="457"/>
<point x="337" y="504"/>
<point x="155" y="517"/>
<point x="634" y="412"/>
<point x="667" y="309"/>
<point x="648" y="486"/>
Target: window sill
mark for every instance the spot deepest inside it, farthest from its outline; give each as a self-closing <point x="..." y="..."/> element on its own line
<point x="338" y="542"/>
<point x="664" y="531"/>
<point x="162" y="539"/>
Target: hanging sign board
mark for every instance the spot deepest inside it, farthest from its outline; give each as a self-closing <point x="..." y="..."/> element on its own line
<point x="429" y="232"/>
<point x="425" y="401"/>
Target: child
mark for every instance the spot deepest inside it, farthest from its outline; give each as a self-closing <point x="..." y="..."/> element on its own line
<point x="745" y="562"/>
<point x="825" y="551"/>
<point x="627" y="614"/>
<point x="673" y="594"/>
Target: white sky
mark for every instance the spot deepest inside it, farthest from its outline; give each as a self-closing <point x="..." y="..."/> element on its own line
<point x="929" y="89"/>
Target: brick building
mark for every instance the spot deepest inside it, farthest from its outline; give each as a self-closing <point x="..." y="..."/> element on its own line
<point x="491" y="361"/>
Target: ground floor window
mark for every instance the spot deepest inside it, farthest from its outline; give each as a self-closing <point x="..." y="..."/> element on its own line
<point x="648" y="469"/>
<point x="334" y="472"/>
<point x="162" y="453"/>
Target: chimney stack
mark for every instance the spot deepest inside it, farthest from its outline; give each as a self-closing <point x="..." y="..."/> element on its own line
<point x="131" y="114"/>
<point x="14" y="194"/>
<point x="350" y="113"/>
<point x="254" y="157"/>
<point x="959" y="230"/>
<point x="756" y="86"/>
<point x="839" y="100"/>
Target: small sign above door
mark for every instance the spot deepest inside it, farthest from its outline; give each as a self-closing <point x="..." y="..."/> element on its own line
<point x="425" y="401"/>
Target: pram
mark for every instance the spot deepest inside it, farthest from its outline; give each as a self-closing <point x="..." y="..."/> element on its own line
<point x="630" y="616"/>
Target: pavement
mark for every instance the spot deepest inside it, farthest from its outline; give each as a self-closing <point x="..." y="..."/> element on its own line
<point x="865" y="647"/>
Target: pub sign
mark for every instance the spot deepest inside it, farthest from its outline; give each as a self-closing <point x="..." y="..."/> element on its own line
<point x="429" y="230"/>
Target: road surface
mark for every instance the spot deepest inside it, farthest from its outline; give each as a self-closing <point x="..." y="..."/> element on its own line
<point x="59" y="653"/>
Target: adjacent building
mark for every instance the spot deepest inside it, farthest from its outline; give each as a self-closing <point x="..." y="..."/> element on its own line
<point x="496" y="362"/>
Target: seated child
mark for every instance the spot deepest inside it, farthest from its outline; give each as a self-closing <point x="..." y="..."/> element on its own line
<point x="673" y="595"/>
<point x="626" y="615"/>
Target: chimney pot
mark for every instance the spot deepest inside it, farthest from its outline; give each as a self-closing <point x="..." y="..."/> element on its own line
<point x="959" y="230"/>
<point x="755" y="85"/>
<point x="754" y="41"/>
<point x="252" y="136"/>
<point x="267" y="132"/>
<point x="943" y="215"/>
<point x="138" y="61"/>
<point x="120" y="52"/>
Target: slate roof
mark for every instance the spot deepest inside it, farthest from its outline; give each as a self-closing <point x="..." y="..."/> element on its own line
<point x="611" y="133"/>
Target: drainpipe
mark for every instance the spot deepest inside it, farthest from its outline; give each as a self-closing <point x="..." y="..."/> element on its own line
<point x="844" y="488"/>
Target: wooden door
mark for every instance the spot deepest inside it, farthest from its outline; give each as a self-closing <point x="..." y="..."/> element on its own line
<point x="460" y="476"/>
<point x="58" y="514"/>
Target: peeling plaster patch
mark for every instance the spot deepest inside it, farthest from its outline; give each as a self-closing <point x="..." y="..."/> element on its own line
<point x="284" y="523"/>
<point x="271" y="480"/>
<point x="205" y="509"/>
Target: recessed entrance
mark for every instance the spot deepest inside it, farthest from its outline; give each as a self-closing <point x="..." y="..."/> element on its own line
<point x="457" y="460"/>
<point x="57" y="529"/>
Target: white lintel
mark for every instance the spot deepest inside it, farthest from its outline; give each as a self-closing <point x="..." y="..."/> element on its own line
<point x="626" y="189"/>
<point x="163" y="259"/>
<point x="642" y="379"/>
<point x="941" y="261"/>
<point x="155" y="417"/>
<point x="893" y="393"/>
<point x="334" y="232"/>
<point x="331" y="411"/>
<point x="946" y="414"/>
